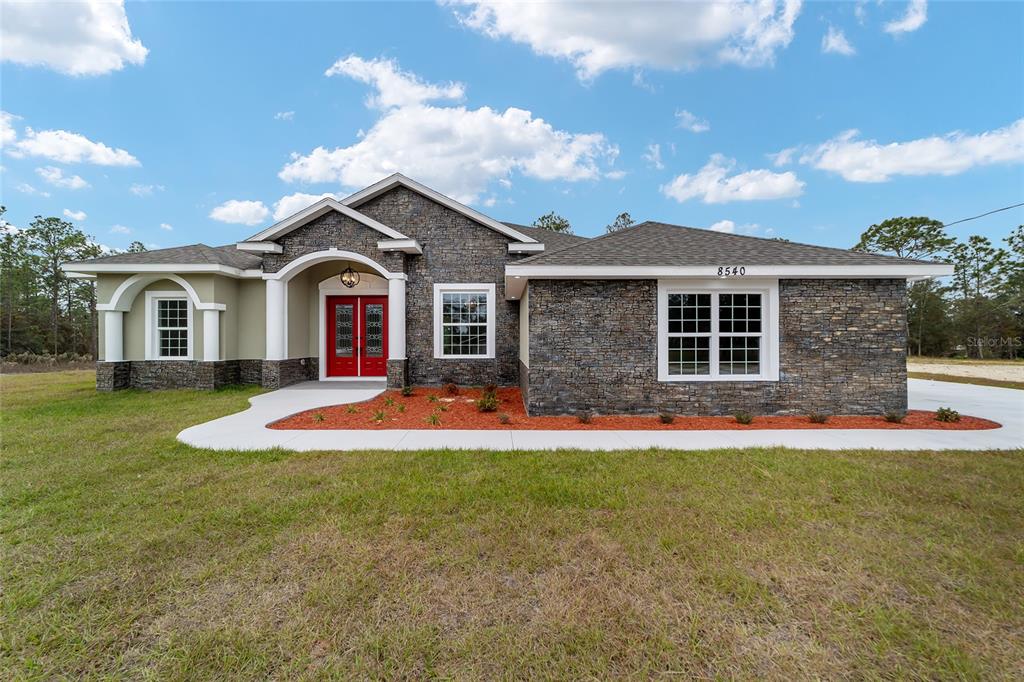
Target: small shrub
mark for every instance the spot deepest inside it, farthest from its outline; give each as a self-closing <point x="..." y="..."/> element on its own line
<point x="442" y="408"/>
<point x="743" y="417"/>
<point x="504" y="418"/>
<point x="817" y="417"/>
<point x="433" y="398"/>
<point x="389" y="402"/>
<point x="318" y="417"/>
<point x="585" y="416"/>
<point x="400" y="408"/>
<point x="947" y="414"/>
<point x="379" y="416"/>
<point x="490" y="389"/>
<point x="895" y="416"/>
<point x="451" y="388"/>
<point x="407" y="391"/>
<point x="667" y="417"/>
<point x="351" y="409"/>
<point x="488" y="403"/>
<point x="434" y="419"/>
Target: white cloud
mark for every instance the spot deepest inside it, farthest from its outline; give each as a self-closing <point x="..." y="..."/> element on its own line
<point x="913" y="19"/>
<point x="615" y="174"/>
<point x="166" y="226"/>
<point x="868" y="161"/>
<point x="26" y="188"/>
<point x="784" y="157"/>
<point x="55" y="176"/>
<point x="240" y="212"/>
<point x="597" y="37"/>
<point x="145" y="190"/>
<point x="293" y="203"/>
<point x="458" y="151"/>
<point x="688" y="121"/>
<point x="85" y="38"/>
<point x="395" y="88"/>
<point x="120" y="229"/>
<point x="653" y="156"/>
<point x="726" y="226"/>
<point x="835" y="42"/>
<point x="284" y="116"/>
<point x="65" y="147"/>
<point x="75" y="215"/>
<point x="713" y="184"/>
<point x="7" y="132"/>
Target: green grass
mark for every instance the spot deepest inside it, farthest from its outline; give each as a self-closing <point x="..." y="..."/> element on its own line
<point x="128" y="555"/>
<point x="978" y="381"/>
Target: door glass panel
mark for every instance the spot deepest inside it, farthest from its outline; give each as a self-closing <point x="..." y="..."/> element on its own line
<point x="343" y="330"/>
<point x="374" y="330"/>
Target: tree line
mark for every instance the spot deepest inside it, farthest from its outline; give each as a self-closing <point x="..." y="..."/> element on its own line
<point x="42" y="310"/>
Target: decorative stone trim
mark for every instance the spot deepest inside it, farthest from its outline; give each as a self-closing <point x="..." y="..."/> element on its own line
<point x="396" y="373"/>
<point x="277" y="374"/>
<point x="113" y="376"/>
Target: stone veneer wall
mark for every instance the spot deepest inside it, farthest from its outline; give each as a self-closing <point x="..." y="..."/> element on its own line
<point x="397" y="372"/>
<point x="280" y="373"/>
<point x="593" y="346"/>
<point x="162" y="374"/>
<point x="332" y="230"/>
<point x="455" y="249"/>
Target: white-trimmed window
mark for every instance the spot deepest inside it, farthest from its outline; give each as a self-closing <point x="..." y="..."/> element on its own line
<point x="464" y="321"/>
<point x="717" y="331"/>
<point x="169" y="326"/>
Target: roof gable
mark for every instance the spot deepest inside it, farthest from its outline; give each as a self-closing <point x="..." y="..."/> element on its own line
<point x="316" y="210"/>
<point x="397" y="179"/>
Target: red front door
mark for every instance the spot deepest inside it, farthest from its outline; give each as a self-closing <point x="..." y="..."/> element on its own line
<point x="357" y="340"/>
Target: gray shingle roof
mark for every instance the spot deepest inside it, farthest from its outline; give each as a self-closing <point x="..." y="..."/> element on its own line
<point x="552" y="241"/>
<point x="652" y="243"/>
<point x="193" y="254"/>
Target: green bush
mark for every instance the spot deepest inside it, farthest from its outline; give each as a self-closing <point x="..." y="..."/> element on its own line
<point x="817" y="417"/>
<point x="433" y="398"/>
<point x="351" y="409"/>
<point x="947" y="414"/>
<point x="434" y="419"/>
<point x="379" y="416"/>
<point x="407" y="391"/>
<point x="389" y="402"/>
<point x="488" y="403"/>
<point x="504" y="418"/>
<point x="744" y="417"/>
<point x="318" y="417"/>
<point x="894" y="416"/>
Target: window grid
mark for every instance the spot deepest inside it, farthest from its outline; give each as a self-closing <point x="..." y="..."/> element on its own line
<point x="726" y="327"/>
<point x="172" y="327"/>
<point x="464" y="317"/>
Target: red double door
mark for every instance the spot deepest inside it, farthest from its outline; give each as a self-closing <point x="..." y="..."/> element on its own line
<point x="357" y="336"/>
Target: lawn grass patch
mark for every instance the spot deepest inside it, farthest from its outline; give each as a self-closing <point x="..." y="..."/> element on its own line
<point x="129" y="555"/>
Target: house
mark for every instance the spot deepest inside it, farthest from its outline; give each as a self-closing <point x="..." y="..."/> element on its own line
<point x="400" y="284"/>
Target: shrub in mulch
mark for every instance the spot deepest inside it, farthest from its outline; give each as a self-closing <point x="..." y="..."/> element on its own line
<point x="434" y="408"/>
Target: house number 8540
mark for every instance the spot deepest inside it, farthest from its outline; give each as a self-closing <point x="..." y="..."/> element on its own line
<point x="732" y="271"/>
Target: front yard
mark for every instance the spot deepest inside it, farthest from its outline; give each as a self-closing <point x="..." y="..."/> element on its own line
<point x="127" y="554"/>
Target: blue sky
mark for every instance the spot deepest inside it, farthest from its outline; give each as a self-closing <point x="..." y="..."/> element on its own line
<point x="192" y="121"/>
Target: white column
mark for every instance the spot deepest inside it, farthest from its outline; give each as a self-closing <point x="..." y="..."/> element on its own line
<point x="113" y="336"/>
<point x="396" y="319"/>
<point x="211" y="335"/>
<point x="275" y="319"/>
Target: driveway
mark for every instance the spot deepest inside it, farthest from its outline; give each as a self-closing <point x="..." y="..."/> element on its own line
<point x="247" y="430"/>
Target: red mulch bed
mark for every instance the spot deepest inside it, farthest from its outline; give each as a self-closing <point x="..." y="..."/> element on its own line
<point x="460" y="412"/>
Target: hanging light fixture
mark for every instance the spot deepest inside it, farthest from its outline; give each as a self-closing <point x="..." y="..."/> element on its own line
<point x="349" y="277"/>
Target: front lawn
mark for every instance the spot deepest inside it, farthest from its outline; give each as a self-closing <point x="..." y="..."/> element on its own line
<point x="128" y="555"/>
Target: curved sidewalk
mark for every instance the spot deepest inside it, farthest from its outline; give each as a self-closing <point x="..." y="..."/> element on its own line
<point x="247" y="430"/>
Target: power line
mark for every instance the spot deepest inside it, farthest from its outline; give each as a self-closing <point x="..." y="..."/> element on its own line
<point x="964" y="220"/>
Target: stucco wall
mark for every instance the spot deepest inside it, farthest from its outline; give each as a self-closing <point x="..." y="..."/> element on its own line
<point x="134" y="323"/>
<point x="593" y="346"/>
<point x="250" y="333"/>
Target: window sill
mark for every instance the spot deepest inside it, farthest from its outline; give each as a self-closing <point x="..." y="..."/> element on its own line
<point x="463" y="357"/>
<point x="732" y="378"/>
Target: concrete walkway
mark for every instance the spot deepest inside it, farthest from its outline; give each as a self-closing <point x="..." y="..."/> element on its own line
<point x="247" y="430"/>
